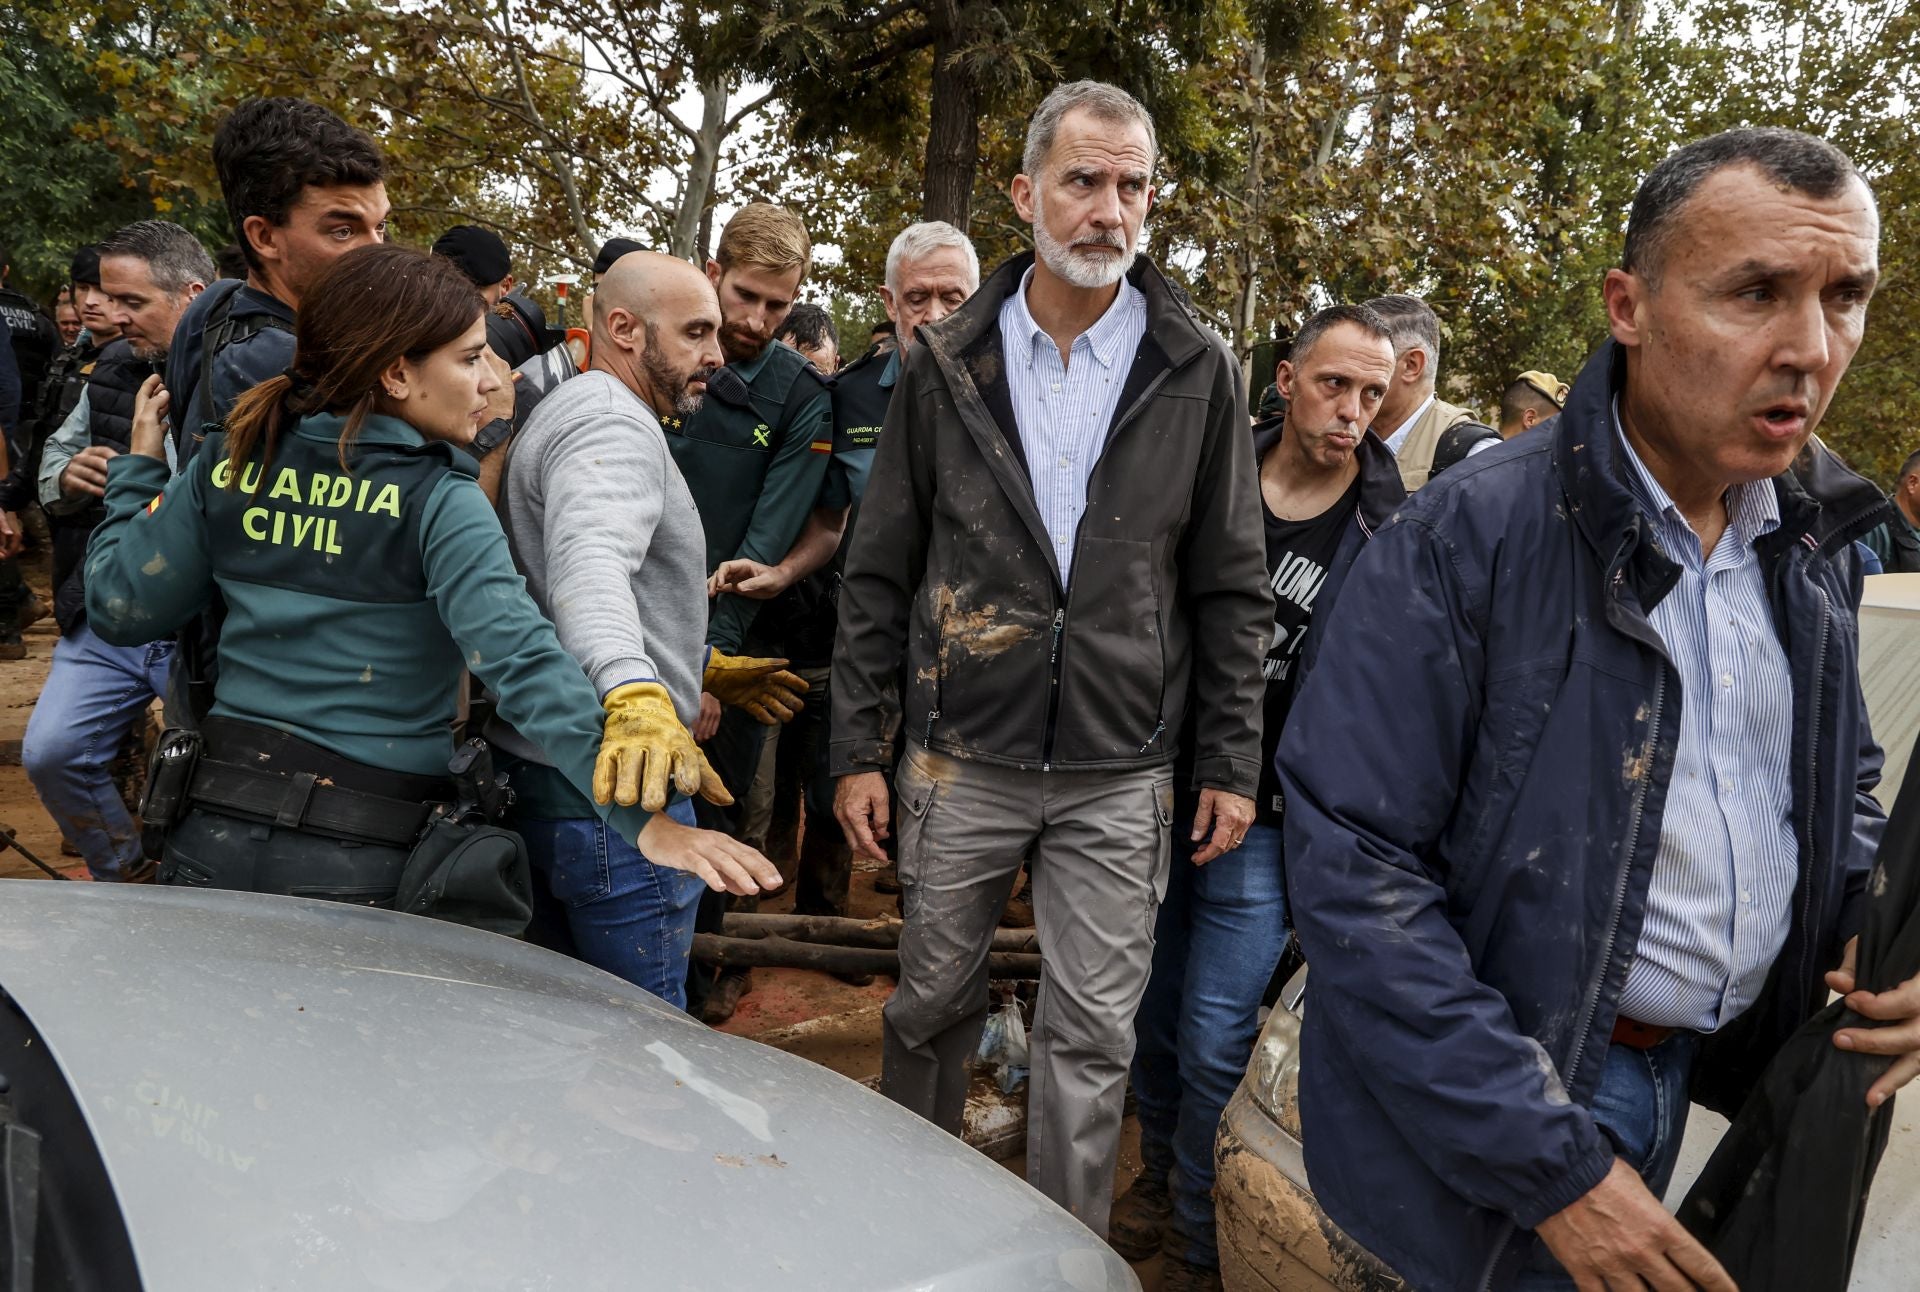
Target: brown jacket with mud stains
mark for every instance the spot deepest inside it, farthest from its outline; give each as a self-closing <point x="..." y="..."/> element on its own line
<point x="953" y="621"/>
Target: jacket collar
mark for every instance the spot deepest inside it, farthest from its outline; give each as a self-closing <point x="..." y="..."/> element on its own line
<point x="1381" y="490"/>
<point x="1170" y="321"/>
<point x="1822" y="503"/>
<point x="248" y="299"/>
<point x="377" y="428"/>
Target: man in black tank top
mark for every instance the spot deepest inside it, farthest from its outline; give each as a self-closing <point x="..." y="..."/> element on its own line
<point x="1326" y="483"/>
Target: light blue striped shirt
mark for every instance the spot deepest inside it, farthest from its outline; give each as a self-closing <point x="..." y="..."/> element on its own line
<point x="1720" y="903"/>
<point x="1063" y="410"/>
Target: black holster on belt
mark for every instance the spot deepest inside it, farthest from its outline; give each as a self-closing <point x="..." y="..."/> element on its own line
<point x="460" y="866"/>
<point x="465" y="867"/>
<point x="169" y="780"/>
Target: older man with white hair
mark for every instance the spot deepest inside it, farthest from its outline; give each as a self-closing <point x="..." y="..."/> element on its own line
<point x="1058" y="576"/>
<point x="931" y="271"/>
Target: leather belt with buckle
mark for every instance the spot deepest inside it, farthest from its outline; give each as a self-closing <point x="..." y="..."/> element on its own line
<point x="1641" y="1036"/>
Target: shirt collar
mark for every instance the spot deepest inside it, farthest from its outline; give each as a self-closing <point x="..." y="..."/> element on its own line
<point x="1753" y="508"/>
<point x="891" y="373"/>
<point x="1397" y="435"/>
<point x="1104" y="340"/>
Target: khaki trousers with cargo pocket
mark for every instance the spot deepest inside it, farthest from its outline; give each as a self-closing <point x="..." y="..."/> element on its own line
<point x="1100" y="844"/>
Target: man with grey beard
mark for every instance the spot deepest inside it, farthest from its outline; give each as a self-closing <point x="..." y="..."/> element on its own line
<point x="1062" y="536"/>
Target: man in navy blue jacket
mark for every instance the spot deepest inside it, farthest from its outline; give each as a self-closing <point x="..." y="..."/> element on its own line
<point x="1578" y="778"/>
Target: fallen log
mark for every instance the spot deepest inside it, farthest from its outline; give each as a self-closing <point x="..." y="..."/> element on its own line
<point x="832" y="930"/>
<point x="771" y="951"/>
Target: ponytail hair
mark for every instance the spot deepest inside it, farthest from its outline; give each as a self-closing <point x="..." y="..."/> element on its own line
<point x="372" y="307"/>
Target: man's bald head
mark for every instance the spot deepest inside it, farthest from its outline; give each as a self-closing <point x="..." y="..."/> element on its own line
<point x="656" y="327"/>
<point x="646" y="283"/>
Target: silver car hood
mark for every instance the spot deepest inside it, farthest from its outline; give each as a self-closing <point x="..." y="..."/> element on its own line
<point x="299" y="1095"/>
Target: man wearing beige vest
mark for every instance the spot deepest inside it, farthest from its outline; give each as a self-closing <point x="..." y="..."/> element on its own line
<point x="1427" y="434"/>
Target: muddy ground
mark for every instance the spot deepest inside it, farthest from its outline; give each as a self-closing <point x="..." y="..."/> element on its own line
<point x="20" y="682"/>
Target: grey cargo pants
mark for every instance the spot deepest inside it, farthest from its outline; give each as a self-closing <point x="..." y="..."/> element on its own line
<point x="1100" y="844"/>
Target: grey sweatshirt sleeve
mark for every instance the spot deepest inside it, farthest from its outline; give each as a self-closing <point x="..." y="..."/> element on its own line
<point x="60" y="449"/>
<point x="601" y="480"/>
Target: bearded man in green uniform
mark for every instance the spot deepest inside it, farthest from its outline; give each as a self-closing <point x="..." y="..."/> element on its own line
<point x="756" y="452"/>
<point x="931" y="271"/>
<point x="754" y="457"/>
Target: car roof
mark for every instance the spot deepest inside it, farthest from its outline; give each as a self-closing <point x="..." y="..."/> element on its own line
<point x="302" y="1095"/>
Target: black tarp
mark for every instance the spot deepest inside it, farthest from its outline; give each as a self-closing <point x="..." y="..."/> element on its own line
<point x="1781" y="1201"/>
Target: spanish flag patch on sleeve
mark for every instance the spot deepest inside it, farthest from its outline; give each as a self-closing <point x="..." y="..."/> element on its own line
<point x="155" y="504"/>
<point x="822" y="446"/>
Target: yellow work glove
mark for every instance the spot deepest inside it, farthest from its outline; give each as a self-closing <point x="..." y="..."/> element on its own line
<point x="762" y="687"/>
<point x="644" y="744"/>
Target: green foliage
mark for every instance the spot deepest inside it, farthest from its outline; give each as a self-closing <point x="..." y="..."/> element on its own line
<point x="1481" y="155"/>
<point x="65" y="178"/>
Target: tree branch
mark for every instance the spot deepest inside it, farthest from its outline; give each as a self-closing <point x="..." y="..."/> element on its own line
<point x="733" y="122"/>
<point x="903" y="44"/>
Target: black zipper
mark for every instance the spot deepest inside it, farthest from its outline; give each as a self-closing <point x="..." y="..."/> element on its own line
<point x="1060" y="614"/>
<point x="1160" y="703"/>
<point x="1053" y="689"/>
<point x="939" y="679"/>
<point x="1613" y="924"/>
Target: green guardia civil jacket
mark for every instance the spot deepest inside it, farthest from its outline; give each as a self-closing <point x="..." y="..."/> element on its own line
<point x="755" y="470"/>
<point x="355" y="596"/>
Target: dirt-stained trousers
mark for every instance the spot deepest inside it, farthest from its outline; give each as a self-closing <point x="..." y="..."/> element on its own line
<point x="1099" y="842"/>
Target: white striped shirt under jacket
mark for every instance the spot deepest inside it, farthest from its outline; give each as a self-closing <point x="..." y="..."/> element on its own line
<point x="1720" y="904"/>
<point x="1063" y="410"/>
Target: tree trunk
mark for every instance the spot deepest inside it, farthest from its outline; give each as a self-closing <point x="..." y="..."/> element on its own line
<point x="697" y="195"/>
<point x="953" y="134"/>
<point x="1249" y="304"/>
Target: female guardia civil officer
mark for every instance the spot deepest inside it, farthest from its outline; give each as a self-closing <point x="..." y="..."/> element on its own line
<point x="362" y="571"/>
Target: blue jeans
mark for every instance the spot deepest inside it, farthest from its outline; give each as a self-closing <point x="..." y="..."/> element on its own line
<point x="1642" y="1107"/>
<point x="93" y="695"/>
<point x="1217" y="941"/>
<point x="627" y="915"/>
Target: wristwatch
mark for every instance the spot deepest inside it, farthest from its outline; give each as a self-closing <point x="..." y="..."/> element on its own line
<point x="491" y="436"/>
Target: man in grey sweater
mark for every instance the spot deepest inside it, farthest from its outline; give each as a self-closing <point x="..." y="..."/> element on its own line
<point x="604" y="528"/>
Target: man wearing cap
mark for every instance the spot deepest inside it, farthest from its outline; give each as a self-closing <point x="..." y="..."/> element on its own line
<point x="66" y="381"/>
<point x="482" y="256"/>
<point x="1529" y="401"/>
<point x="610" y="250"/>
<point x="517" y="335"/>
<point x="66" y="412"/>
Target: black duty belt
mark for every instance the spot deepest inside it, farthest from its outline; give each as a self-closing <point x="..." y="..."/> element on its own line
<point x="305" y="801"/>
